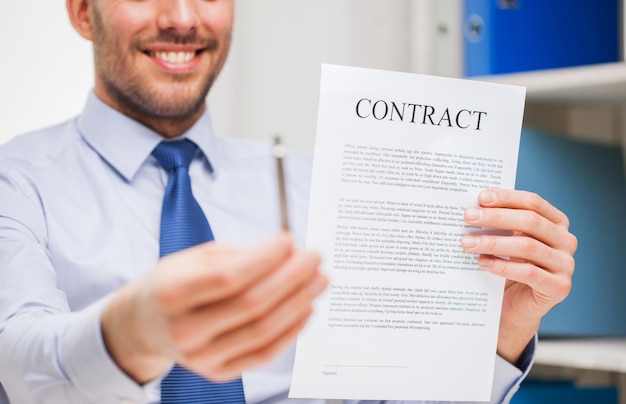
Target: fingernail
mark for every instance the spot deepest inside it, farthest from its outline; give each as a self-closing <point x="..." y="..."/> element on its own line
<point x="470" y="241"/>
<point x="484" y="261"/>
<point x="313" y="258"/>
<point x="474" y="214"/>
<point x="281" y="240"/>
<point x="487" y="197"/>
<point x="318" y="284"/>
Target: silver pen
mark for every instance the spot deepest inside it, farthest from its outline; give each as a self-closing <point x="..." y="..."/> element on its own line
<point x="279" y="151"/>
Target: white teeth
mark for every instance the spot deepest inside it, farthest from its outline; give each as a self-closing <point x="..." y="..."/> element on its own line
<point x="174" y="57"/>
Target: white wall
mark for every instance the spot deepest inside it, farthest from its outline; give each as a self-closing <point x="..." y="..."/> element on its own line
<point x="270" y="83"/>
<point x="280" y="44"/>
<point x="45" y="67"/>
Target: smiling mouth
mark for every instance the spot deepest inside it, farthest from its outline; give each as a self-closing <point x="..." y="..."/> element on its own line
<point x="174" y="57"/>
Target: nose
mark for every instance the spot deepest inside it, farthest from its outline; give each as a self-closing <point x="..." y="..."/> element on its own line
<point x="178" y="15"/>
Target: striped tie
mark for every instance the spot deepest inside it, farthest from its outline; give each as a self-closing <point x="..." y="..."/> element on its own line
<point x="183" y="225"/>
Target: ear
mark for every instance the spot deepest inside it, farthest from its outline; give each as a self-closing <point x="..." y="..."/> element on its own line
<point x="79" y="12"/>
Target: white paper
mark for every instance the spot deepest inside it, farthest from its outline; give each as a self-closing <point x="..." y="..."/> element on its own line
<point x="408" y="314"/>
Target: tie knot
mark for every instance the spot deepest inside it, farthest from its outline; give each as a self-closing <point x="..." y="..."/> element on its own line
<point x="173" y="154"/>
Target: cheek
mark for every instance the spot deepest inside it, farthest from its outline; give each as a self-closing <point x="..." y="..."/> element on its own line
<point x="219" y="17"/>
<point x="130" y="19"/>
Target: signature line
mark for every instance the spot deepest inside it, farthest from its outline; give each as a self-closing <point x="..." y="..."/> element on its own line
<point x="365" y="366"/>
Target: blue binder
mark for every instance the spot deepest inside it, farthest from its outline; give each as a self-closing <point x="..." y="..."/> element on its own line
<point x="505" y="36"/>
<point x="586" y="181"/>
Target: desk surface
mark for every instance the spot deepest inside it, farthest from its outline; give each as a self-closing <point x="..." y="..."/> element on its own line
<point x="607" y="354"/>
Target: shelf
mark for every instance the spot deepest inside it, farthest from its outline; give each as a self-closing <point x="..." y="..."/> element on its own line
<point x="592" y="362"/>
<point x="602" y="83"/>
<point x="600" y="354"/>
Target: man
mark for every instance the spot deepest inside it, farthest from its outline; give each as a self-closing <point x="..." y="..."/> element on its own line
<point x="89" y="313"/>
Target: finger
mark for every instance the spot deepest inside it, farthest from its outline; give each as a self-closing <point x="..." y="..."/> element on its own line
<point x="522" y="248"/>
<point x="254" y="337"/>
<point x="195" y="328"/>
<point x="211" y="272"/>
<point x="516" y="199"/>
<point x="261" y="356"/>
<point x="524" y="221"/>
<point x="552" y="289"/>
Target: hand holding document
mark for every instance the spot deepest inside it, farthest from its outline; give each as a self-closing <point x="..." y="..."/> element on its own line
<point x="398" y="158"/>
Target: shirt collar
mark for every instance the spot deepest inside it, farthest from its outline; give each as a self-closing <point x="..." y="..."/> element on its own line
<point x="126" y="144"/>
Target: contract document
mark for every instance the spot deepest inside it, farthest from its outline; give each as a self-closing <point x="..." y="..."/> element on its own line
<point x="408" y="314"/>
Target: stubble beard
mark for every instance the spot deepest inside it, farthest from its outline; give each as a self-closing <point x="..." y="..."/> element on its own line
<point x="135" y="97"/>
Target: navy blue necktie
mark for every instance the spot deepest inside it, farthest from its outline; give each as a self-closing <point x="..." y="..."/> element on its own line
<point x="184" y="225"/>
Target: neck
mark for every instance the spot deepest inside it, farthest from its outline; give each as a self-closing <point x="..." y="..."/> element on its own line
<point x="167" y="127"/>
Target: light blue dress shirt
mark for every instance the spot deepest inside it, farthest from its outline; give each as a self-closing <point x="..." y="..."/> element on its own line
<point x="80" y="207"/>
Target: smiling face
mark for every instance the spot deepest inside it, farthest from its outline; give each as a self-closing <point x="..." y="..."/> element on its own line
<point x="156" y="60"/>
